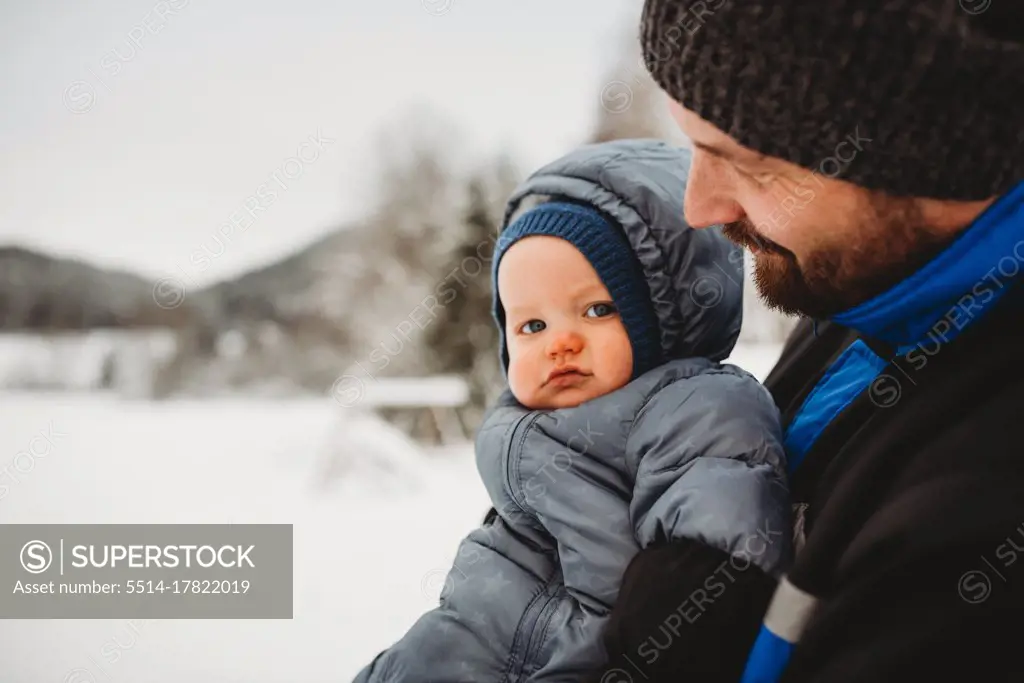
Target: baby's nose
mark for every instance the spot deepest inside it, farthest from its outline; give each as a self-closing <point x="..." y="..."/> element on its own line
<point x="565" y="342"/>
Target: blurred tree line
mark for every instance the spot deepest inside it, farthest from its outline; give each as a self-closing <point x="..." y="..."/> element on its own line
<point x="404" y="291"/>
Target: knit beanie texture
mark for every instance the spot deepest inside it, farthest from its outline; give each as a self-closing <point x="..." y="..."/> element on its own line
<point x="920" y="98"/>
<point x="606" y="247"/>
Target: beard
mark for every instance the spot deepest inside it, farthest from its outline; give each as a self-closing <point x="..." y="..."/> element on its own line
<point x="880" y="244"/>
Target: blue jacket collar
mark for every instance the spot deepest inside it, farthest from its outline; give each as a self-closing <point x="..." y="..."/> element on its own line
<point x="956" y="287"/>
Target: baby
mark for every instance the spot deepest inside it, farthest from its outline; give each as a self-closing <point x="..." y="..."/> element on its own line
<point x="620" y="428"/>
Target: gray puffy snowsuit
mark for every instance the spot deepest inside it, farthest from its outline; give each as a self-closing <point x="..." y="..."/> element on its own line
<point x="691" y="449"/>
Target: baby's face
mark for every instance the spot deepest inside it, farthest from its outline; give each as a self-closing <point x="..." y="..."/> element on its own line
<point x="566" y="342"/>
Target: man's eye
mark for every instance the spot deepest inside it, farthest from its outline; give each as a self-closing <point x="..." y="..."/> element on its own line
<point x="601" y="310"/>
<point x="532" y="327"/>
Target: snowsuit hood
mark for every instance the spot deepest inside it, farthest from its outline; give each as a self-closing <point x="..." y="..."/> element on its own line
<point x="695" y="276"/>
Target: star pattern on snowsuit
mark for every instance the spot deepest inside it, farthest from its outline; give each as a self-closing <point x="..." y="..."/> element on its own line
<point x="494" y="584"/>
<point x="477" y="619"/>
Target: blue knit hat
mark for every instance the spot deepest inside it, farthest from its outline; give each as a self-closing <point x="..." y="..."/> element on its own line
<point x="605" y="246"/>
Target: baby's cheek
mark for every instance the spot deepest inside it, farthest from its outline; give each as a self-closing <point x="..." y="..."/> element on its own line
<point x="521" y="382"/>
<point x="619" y="359"/>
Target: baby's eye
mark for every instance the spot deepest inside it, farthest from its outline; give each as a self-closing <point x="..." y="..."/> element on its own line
<point x="601" y="310"/>
<point x="532" y="327"/>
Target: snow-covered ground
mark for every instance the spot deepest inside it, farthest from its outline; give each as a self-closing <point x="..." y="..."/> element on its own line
<point x="371" y="546"/>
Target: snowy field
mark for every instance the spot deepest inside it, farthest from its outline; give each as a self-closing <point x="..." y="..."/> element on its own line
<point x="371" y="545"/>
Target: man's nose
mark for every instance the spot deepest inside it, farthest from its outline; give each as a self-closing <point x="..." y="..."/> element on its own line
<point x="710" y="191"/>
<point x="565" y="342"/>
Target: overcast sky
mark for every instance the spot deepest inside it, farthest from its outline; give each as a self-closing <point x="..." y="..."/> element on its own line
<point x="131" y="130"/>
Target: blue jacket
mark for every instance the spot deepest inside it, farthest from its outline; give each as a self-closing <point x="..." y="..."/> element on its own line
<point x="691" y="449"/>
<point x="898" y="415"/>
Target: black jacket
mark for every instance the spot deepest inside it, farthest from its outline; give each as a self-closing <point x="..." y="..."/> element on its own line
<point x="913" y="507"/>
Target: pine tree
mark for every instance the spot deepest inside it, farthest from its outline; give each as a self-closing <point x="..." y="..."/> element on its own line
<point x="463" y="339"/>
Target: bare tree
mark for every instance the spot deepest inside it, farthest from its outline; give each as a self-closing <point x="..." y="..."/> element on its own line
<point x="629" y="103"/>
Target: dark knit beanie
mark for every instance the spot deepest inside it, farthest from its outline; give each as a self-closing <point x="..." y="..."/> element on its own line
<point x="912" y="97"/>
<point x="606" y="247"/>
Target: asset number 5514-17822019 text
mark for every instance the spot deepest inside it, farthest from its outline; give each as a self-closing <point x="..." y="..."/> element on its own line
<point x="181" y="586"/>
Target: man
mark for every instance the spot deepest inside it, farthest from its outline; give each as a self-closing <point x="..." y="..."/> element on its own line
<point x="871" y="156"/>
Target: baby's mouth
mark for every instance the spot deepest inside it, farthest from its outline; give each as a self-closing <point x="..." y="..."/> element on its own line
<point x="567" y="374"/>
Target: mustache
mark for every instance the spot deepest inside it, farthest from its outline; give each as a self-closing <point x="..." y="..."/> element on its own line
<point x="743" y="233"/>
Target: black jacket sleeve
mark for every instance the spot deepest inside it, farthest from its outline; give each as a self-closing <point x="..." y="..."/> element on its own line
<point x="931" y="588"/>
<point x="685" y="612"/>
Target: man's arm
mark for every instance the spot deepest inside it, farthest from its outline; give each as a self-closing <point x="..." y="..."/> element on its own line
<point x="931" y="588"/>
<point x="686" y="612"/>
